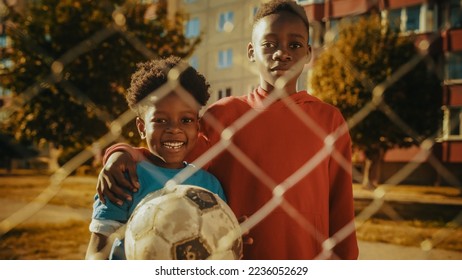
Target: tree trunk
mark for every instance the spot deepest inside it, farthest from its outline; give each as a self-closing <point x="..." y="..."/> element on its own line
<point x="373" y="168"/>
<point x="54" y="153"/>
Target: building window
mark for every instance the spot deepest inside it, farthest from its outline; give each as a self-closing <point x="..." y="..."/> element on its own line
<point x="225" y="58"/>
<point x="405" y="19"/>
<point x="412" y="18"/>
<point x="394" y="19"/>
<point x="224" y="93"/>
<point x="194" y="62"/>
<point x="452" y="123"/>
<point x="420" y="18"/>
<point x="253" y="12"/>
<point x="3" y="41"/>
<point x="226" y="21"/>
<point x="192" y="28"/>
<point x="455" y="14"/>
<point x="454" y="65"/>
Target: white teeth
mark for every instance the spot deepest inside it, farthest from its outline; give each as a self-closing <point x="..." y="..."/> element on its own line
<point x="173" y="145"/>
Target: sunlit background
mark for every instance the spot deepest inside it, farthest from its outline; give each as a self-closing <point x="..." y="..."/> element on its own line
<point x="394" y="69"/>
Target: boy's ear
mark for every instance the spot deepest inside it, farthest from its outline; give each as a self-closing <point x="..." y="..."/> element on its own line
<point x="141" y="127"/>
<point x="250" y="52"/>
<point x="309" y="54"/>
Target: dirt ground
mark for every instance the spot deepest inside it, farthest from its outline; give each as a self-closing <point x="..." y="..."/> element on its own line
<point x="59" y="230"/>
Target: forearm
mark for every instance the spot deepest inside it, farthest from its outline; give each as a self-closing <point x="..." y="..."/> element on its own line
<point x="137" y="154"/>
<point x="95" y="250"/>
<point x="103" y="234"/>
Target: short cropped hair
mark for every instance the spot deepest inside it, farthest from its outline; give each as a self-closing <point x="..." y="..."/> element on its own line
<point x="277" y="6"/>
<point x="152" y="74"/>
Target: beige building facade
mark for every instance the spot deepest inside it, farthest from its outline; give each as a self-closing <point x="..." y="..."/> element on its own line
<point x="225" y="27"/>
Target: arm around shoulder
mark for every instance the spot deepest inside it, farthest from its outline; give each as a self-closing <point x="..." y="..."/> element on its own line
<point x="119" y="172"/>
<point x="135" y="153"/>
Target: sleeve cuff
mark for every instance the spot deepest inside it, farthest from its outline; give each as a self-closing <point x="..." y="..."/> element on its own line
<point x="104" y="227"/>
<point x="136" y="153"/>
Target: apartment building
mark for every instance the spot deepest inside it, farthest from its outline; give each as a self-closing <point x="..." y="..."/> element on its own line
<point x="225" y="29"/>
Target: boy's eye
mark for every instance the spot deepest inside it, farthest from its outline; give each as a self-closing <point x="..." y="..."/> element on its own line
<point x="295" y="45"/>
<point x="159" y="121"/>
<point x="187" y="120"/>
<point x="268" y="45"/>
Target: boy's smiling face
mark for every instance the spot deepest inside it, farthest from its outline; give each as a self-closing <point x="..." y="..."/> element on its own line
<point x="170" y="127"/>
<point x="279" y="48"/>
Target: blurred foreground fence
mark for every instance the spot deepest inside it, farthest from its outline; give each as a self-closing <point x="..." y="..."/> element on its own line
<point x="372" y="202"/>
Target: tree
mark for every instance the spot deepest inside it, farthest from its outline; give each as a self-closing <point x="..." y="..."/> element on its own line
<point x="72" y="61"/>
<point x="365" y="54"/>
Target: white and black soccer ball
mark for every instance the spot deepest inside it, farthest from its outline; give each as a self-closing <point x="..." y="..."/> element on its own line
<point x="180" y="223"/>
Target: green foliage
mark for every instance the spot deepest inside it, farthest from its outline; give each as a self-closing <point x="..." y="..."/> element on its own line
<point x="365" y="54"/>
<point x="68" y="107"/>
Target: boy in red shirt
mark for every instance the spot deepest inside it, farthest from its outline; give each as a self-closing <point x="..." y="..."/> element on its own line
<point x="282" y="155"/>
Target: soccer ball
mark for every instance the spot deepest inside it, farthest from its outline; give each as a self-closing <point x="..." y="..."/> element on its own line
<point x="182" y="222"/>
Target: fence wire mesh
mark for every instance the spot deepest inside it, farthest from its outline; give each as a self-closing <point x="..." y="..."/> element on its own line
<point x="379" y="200"/>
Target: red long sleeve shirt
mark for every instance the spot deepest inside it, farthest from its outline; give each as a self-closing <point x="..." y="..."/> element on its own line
<point x="287" y="149"/>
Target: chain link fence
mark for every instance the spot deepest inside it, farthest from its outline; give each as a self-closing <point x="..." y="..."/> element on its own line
<point x="380" y="201"/>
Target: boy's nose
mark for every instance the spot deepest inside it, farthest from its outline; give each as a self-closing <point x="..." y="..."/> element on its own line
<point x="173" y="127"/>
<point x="282" y="55"/>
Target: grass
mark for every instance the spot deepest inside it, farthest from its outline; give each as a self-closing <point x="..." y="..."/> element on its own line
<point x="412" y="233"/>
<point x="74" y="192"/>
<point x="68" y="240"/>
<point x="46" y="241"/>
